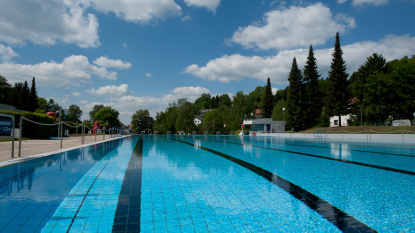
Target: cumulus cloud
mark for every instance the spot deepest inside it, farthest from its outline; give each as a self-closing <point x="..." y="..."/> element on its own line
<point x="7" y="53"/>
<point x="46" y="22"/>
<point x="369" y="2"/>
<point x="72" y="71"/>
<point x="190" y="91"/>
<point x="237" y="67"/>
<point x="294" y="27"/>
<point x="138" y="11"/>
<point x="148" y="75"/>
<point x="341" y="1"/>
<point x="110" y="63"/>
<point x="75" y="93"/>
<point x="110" y="90"/>
<point x="209" y="4"/>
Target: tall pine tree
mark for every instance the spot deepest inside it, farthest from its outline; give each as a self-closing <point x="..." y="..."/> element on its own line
<point x="33" y="104"/>
<point x="339" y="85"/>
<point x="267" y="101"/>
<point x="295" y="100"/>
<point x="312" y="94"/>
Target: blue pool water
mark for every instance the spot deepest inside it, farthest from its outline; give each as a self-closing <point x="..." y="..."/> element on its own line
<point x="213" y="184"/>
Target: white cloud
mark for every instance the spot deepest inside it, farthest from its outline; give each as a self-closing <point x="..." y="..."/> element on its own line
<point x="274" y="90"/>
<point x="72" y="71"/>
<point x="341" y="1"/>
<point x="292" y="28"/>
<point x="7" y="53"/>
<point x="190" y="91"/>
<point x="109" y="63"/>
<point x="46" y="22"/>
<point x="75" y="93"/>
<point x="237" y="67"/>
<point x="138" y="11"/>
<point x="110" y="90"/>
<point x="369" y="2"/>
<point x="148" y="75"/>
<point x="124" y="45"/>
<point x="209" y="4"/>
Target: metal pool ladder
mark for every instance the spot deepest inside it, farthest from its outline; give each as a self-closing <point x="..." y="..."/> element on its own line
<point x="320" y="133"/>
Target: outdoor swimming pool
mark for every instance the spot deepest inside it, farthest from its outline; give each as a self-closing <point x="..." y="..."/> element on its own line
<point x="213" y="184"/>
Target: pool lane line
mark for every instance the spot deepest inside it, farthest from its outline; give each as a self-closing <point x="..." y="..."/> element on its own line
<point x="334" y="215"/>
<point x="323" y="157"/>
<point x="127" y="214"/>
<point x="367" y="151"/>
<point x="85" y="195"/>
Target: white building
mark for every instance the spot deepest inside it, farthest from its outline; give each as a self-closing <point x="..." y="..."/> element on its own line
<point x="198" y="120"/>
<point x="334" y="120"/>
<point x="266" y="125"/>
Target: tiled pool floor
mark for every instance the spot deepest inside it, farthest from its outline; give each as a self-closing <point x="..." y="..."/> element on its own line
<point x="213" y="184"/>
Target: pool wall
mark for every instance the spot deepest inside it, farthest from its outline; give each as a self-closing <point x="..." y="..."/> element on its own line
<point x="401" y="138"/>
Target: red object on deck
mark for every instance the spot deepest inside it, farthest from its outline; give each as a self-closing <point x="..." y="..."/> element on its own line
<point x="52" y="114"/>
<point x="96" y="126"/>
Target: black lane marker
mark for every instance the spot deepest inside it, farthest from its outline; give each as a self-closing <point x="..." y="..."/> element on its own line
<point x="127" y="214"/>
<point x="337" y="217"/>
<point x="323" y="157"/>
<point x="366" y="151"/>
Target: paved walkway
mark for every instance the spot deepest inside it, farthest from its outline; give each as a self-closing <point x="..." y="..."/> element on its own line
<point x="35" y="147"/>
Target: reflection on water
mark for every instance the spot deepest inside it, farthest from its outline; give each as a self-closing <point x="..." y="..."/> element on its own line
<point x="41" y="184"/>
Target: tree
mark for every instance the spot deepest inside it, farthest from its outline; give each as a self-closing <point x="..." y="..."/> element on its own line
<point x="142" y="121"/>
<point x="74" y="113"/>
<point x="339" y="85"/>
<point x="267" y="101"/>
<point x="255" y="97"/>
<point x="392" y="93"/>
<point x="358" y="80"/>
<point x="295" y="102"/>
<point x="212" y="121"/>
<point x="225" y="101"/>
<point x="107" y="115"/>
<point x="5" y="88"/>
<point x="185" y="118"/>
<point x="53" y="107"/>
<point x="33" y="104"/>
<point x="203" y="102"/>
<point x="23" y="102"/>
<point x="94" y="110"/>
<point x="43" y="104"/>
<point x="277" y="113"/>
<point x="313" y="102"/>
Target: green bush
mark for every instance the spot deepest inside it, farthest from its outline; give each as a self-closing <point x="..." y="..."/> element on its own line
<point x="31" y="130"/>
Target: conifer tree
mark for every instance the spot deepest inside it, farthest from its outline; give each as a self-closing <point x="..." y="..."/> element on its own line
<point x="295" y="102"/>
<point x="33" y="104"/>
<point x="267" y="100"/>
<point x="339" y="85"/>
<point x="312" y="94"/>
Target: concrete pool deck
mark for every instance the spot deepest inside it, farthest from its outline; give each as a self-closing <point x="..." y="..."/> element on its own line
<point x="40" y="148"/>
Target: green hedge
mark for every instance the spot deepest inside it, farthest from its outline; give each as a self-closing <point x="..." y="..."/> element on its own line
<point x="31" y="130"/>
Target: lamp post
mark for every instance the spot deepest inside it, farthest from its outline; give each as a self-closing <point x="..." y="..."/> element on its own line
<point x="283" y="114"/>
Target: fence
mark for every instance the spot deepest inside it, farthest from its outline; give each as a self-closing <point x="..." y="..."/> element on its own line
<point x="118" y="131"/>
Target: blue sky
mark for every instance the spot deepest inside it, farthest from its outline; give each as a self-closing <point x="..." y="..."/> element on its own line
<point x="137" y="54"/>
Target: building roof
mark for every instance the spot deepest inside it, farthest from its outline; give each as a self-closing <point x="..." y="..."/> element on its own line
<point x="10" y="108"/>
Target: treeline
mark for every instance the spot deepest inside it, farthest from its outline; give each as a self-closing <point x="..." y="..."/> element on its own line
<point x="20" y="95"/>
<point x="378" y="91"/>
<point x="221" y="113"/>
